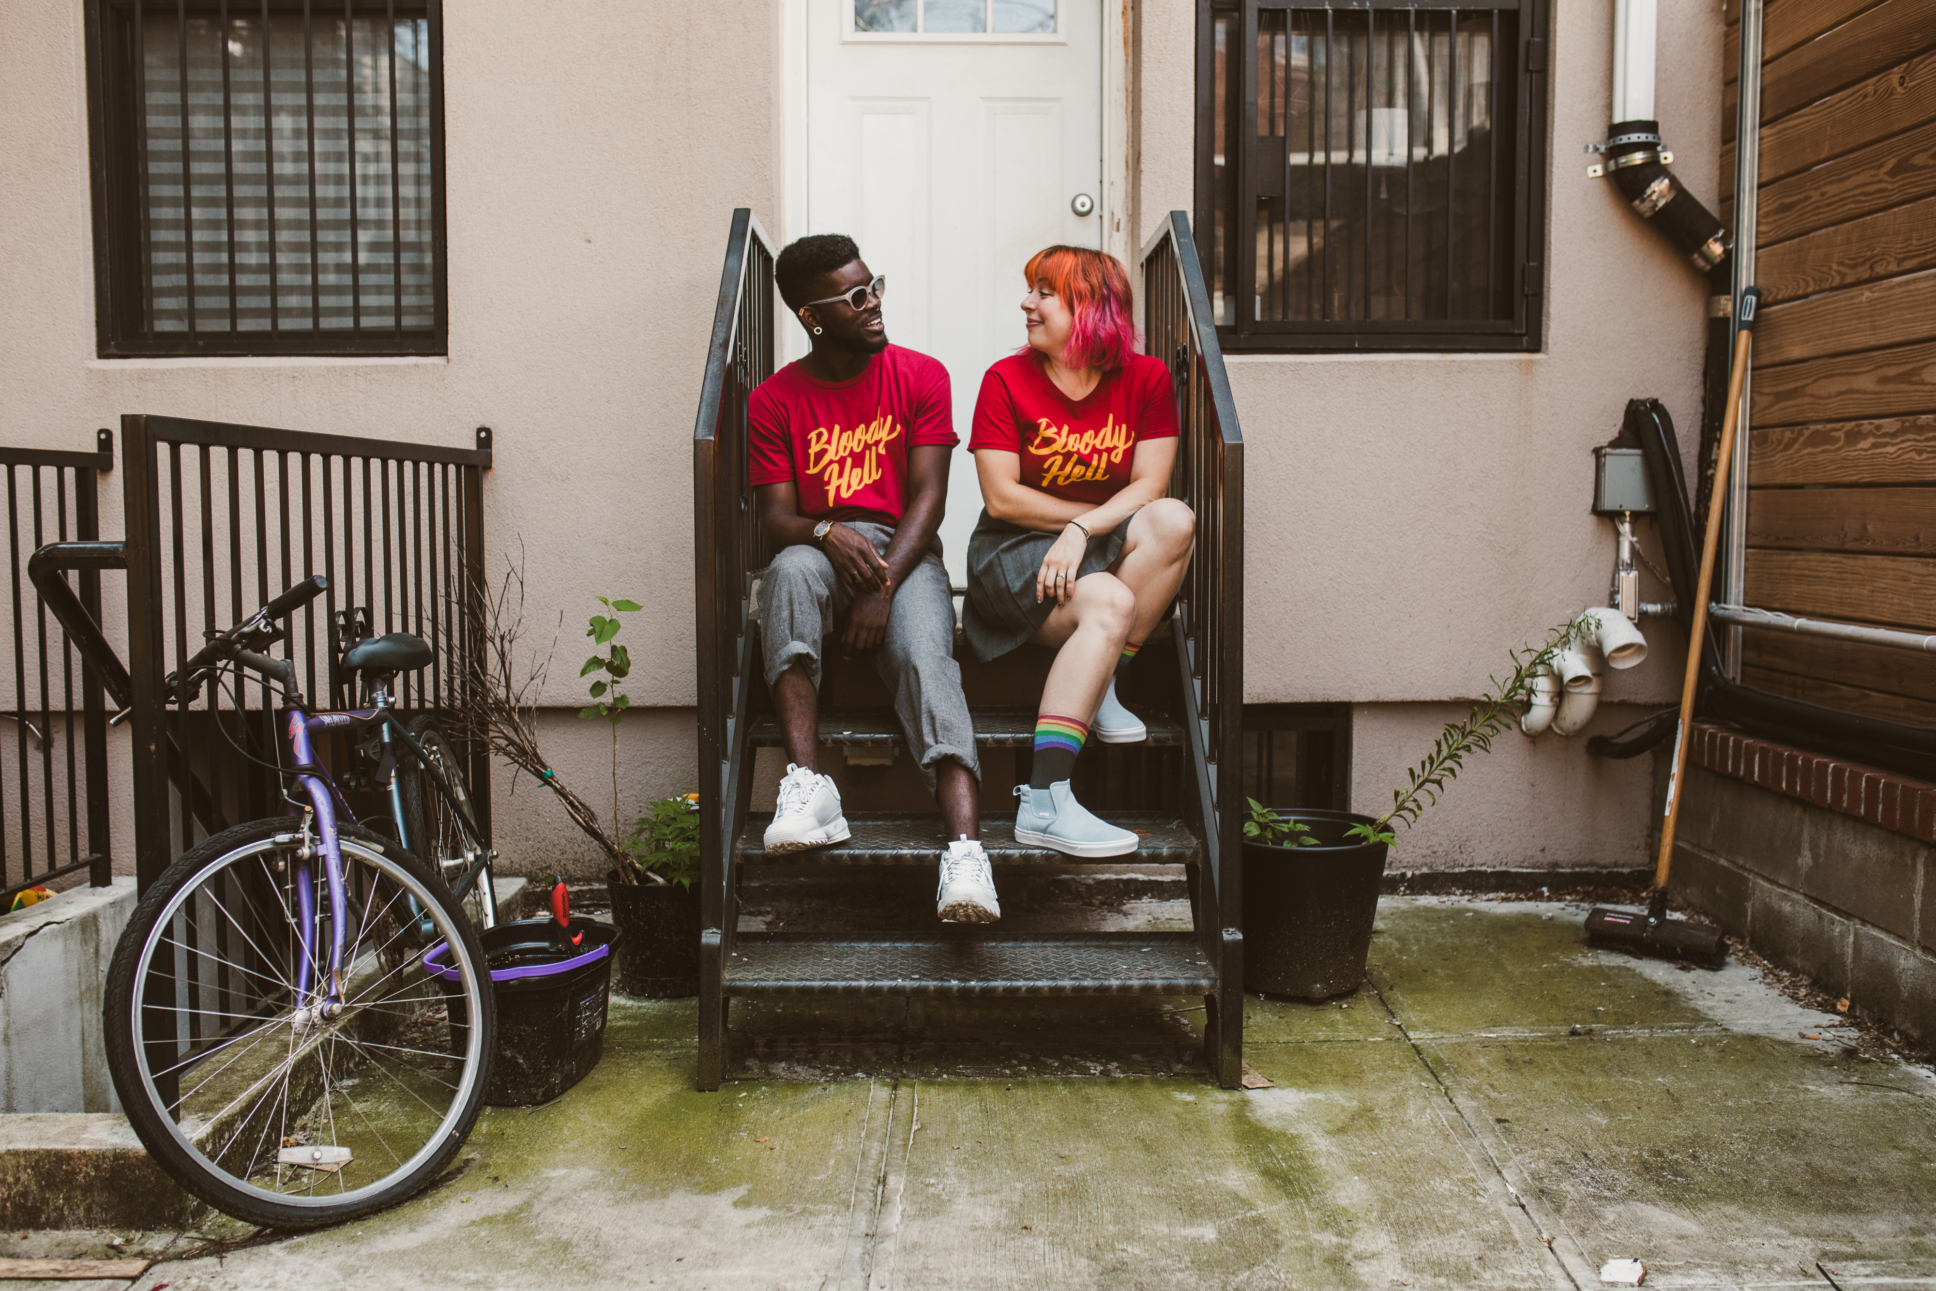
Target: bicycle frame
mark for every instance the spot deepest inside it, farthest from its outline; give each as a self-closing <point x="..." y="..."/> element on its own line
<point x="316" y="784"/>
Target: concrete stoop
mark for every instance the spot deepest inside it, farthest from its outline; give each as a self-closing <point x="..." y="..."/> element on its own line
<point x="87" y="1169"/>
<point x="84" y="1170"/>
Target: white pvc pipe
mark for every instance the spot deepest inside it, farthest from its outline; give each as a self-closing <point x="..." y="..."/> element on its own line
<point x="1614" y="635"/>
<point x="1577" y="707"/>
<point x="1574" y="667"/>
<point x="1543" y="698"/>
<point x="1634" y="34"/>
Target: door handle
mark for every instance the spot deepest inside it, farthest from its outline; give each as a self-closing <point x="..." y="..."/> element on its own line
<point x="1083" y="204"/>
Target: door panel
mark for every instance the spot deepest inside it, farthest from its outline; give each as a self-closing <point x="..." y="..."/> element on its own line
<point x="951" y="159"/>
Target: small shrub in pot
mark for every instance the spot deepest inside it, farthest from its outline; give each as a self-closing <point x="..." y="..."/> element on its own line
<point x="1311" y="879"/>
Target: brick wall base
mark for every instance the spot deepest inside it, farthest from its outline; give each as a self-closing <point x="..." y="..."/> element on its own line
<point x="1821" y="866"/>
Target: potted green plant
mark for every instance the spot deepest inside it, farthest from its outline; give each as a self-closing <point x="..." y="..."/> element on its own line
<point x="654" y="902"/>
<point x="1311" y="878"/>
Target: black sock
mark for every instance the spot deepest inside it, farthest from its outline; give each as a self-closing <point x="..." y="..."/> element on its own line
<point x="1057" y="741"/>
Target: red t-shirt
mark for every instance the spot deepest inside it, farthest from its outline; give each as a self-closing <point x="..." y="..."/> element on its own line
<point x="845" y="445"/>
<point x="1075" y="449"/>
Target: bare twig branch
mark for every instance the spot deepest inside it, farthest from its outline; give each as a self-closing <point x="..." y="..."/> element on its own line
<point x="503" y="706"/>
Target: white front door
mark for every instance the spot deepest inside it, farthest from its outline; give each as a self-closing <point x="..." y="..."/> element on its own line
<point x="953" y="139"/>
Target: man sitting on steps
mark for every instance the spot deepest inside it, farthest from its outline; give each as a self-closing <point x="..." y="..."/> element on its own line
<point x="850" y="452"/>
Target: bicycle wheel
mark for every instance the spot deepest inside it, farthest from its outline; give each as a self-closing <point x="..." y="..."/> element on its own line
<point x="273" y="1111"/>
<point x="438" y="832"/>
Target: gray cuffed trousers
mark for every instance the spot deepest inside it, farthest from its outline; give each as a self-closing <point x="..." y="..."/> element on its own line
<point x="801" y="599"/>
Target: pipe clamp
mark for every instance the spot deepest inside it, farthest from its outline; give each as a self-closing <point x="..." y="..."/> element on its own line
<point x="1654" y="196"/>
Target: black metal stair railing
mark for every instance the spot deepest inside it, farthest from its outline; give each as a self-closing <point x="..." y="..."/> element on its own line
<point x="1208" y="622"/>
<point x="728" y="553"/>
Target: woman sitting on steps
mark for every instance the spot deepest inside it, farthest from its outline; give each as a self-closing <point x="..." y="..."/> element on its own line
<point x="1077" y="546"/>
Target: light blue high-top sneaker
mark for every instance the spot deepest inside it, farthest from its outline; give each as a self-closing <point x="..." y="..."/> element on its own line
<point x="1053" y="818"/>
<point x="1115" y="724"/>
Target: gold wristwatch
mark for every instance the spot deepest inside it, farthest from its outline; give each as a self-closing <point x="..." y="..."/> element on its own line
<point x="821" y="530"/>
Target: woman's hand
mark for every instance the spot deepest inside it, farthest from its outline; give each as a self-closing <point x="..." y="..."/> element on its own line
<point x="1057" y="577"/>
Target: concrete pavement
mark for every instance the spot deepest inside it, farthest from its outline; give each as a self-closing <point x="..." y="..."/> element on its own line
<point x="1501" y="1106"/>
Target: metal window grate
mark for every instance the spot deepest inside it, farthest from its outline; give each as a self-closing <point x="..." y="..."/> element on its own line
<point x="1367" y="173"/>
<point x="268" y="176"/>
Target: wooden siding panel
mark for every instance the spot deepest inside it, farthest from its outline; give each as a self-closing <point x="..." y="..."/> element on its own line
<point x="1881" y="668"/>
<point x="1873" y="40"/>
<point x="1847" y="698"/>
<point x="1895" y="311"/>
<point x="1895" y="450"/>
<point x="1897" y="591"/>
<point x="1887" y="103"/>
<point x="1885" y="174"/>
<point x="1898" y="241"/>
<point x="1786" y="25"/>
<point x="1875" y="383"/>
<point x="1884" y="522"/>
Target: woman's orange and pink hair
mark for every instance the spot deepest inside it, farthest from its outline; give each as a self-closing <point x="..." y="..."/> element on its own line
<point x="1096" y="289"/>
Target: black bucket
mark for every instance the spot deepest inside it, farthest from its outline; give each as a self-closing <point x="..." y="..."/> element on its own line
<point x="551" y="1001"/>
<point x="1308" y="911"/>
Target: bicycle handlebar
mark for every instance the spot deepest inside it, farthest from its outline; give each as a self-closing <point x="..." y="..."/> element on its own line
<point x="295" y="598"/>
<point x="257" y="630"/>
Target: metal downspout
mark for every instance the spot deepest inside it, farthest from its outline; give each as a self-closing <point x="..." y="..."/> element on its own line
<point x="1747" y="177"/>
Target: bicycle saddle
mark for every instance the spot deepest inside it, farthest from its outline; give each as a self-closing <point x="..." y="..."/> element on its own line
<point x="394" y="652"/>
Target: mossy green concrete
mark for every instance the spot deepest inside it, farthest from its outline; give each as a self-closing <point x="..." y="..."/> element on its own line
<point x="1437" y="1132"/>
<point x="1718" y="1157"/>
<point x="1450" y="968"/>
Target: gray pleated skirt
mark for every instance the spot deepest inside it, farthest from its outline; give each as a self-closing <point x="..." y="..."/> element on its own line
<point x="1001" y="612"/>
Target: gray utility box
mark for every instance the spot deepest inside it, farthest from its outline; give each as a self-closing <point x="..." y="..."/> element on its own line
<point x="1620" y="482"/>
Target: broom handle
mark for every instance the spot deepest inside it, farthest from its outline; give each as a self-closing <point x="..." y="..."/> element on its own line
<point x="1729" y="421"/>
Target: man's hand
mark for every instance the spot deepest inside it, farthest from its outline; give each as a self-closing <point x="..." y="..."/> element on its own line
<point x="867" y="621"/>
<point x="855" y="560"/>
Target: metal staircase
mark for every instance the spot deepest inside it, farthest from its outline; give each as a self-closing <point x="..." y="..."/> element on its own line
<point x="1169" y="789"/>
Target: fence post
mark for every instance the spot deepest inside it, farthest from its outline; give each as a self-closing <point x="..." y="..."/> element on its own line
<point x="474" y="592"/>
<point x="142" y="503"/>
<point x="94" y="719"/>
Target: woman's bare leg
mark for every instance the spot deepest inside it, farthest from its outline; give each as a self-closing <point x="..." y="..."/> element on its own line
<point x="1090" y="629"/>
<point x="1155" y="557"/>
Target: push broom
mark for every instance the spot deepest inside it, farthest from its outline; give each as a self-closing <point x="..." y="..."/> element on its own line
<point x="1653" y="933"/>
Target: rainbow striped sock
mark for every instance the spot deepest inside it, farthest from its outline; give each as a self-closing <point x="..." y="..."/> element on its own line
<point x="1129" y="652"/>
<point x="1057" y="741"/>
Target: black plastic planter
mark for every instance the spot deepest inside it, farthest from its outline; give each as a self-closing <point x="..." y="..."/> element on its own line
<point x="1308" y="911"/>
<point x="552" y="994"/>
<point x="661" y="925"/>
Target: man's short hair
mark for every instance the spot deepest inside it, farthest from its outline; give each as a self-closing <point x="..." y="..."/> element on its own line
<point x="807" y="259"/>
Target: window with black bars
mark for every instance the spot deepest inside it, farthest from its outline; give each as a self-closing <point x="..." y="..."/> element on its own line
<point x="1370" y="173"/>
<point x="268" y="176"/>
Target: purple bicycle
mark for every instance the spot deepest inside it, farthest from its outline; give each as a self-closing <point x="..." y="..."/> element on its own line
<point x="274" y="1031"/>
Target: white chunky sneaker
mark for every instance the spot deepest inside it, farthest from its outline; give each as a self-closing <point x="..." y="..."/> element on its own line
<point x="966" y="893"/>
<point x="806" y="815"/>
<point x="1115" y="724"/>
<point x="1053" y="818"/>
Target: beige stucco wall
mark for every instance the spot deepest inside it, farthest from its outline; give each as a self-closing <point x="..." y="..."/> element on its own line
<point x="594" y="153"/>
<point x="1411" y="518"/>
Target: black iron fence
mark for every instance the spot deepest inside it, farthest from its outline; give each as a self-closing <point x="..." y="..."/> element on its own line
<point x="220" y="518"/>
<point x="53" y="722"/>
<point x="728" y="552"/>
<point x="1209" y="618"/>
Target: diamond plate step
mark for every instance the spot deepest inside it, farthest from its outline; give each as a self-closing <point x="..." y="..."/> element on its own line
<point x="881" y="839"/>
<point x="974" y="962"/>
<point x="995" y="728"/>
